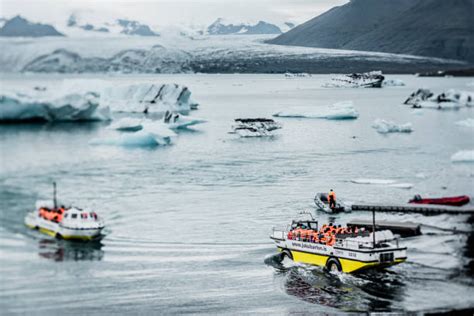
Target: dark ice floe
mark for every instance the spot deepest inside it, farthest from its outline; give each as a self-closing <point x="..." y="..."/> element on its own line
<point x="255" y="127"/>
<point x="71" y="107"/>
<point x="451" y="99"/>
<point x="373" y="79"/>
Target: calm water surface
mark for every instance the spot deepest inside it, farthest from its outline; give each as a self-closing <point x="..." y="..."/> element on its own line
<point x="188" y="225"/>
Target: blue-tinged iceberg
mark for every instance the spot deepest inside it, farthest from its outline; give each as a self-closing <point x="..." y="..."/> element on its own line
<point x="71" y="107"/>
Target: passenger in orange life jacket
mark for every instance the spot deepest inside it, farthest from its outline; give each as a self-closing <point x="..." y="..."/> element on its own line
<point x="332" y="199"/>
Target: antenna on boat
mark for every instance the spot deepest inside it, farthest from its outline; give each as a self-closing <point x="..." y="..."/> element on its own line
<point x="54" y="195"/>
<point x="373" y="226"/>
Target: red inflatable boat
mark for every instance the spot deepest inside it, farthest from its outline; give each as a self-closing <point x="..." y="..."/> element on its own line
<point x="452" y="201"/>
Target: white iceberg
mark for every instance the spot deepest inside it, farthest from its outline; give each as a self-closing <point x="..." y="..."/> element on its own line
<point x="463" y="156"/>
<point x="255" y="127"/>
<point x="384" y="127"/>
<point x="70" y="107"/>
<point x="401" y="185"/>
<point x="372" y="79"/>
<point x="127" y="124"/>
<point x="393" y="83"/>
<point x="466" y="123"/>
<point x="374" y="181"/>
<point x="338" y="111"/>
<point x="148" y="97"/>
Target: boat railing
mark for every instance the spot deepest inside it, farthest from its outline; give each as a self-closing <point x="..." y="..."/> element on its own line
<point x="278" y="232"/>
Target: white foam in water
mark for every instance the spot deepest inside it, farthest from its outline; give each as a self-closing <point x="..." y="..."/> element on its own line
<point x="338" y="111"/>
<point x="148" y="97"/>
<point x="384" y="127"/>
<point x="463" y="156"/>
<point x="374" y="181"/>
<point x="70" y="107"/>
<point x="466" y="123"/>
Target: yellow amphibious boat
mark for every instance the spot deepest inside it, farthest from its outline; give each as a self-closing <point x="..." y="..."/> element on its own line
<point x="338" y="248"/>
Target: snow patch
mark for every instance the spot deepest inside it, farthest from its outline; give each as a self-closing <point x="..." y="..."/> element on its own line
<point x="384" y="127"/>
<point x="463" y="156"/>
<point x="70" y="107"/>
<point x="338" y="111"/>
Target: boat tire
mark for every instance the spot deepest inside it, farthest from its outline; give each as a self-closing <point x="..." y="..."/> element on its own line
<point x="333" y="265"/>
<point x="286" y="253"/>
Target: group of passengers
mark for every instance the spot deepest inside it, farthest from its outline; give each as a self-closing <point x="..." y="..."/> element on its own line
<point x="326" y="235"/>
<point x="54" y="215"/>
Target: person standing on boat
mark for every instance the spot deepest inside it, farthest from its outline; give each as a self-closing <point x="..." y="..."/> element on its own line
<point x="332" y="199"/>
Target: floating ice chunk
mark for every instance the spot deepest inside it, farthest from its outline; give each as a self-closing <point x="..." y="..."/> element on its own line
<point x="463" y="156"/>
<point x="466" y="123"/>
<point x="393" y="83"/>
<point x="255" y="127"/>
<point x="127" y="124"/>
<point x="148" y="97"/>
<point x="70" y="107"/>
<point x="180" y="121"/>
<point x="152" y="134"/>
<point x="451" y="99"/>
<point x="374" y="181"/>
<point x="137" y="139"/>
<point x="371" y="79"/>
<point x="385" y="127"/>
<point x="402" y="185"/>
<point x="338" y="111"/>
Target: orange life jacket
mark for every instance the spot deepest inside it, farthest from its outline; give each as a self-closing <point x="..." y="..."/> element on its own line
<point x="290" y="235"/>
<point x="332" y="194"/>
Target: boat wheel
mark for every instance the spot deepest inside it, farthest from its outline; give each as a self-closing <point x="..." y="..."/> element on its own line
<point x="59" y="236"/>
<point x="333" y="265"/>
<point x="287" y="253"/>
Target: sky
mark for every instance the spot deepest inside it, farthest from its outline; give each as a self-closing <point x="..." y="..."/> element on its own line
<point x="171" y="12"/>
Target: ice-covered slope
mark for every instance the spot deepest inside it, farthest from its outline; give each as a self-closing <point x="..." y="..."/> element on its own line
<point x="209" y="54"/>
<point x="436" y="28"/>
<point x="20" y="27"/>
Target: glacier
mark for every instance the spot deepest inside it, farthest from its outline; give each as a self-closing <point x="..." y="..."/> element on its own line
<point x="338" y="111"/>
<point x="16" y="107"/>
<point x="384" y="127"/>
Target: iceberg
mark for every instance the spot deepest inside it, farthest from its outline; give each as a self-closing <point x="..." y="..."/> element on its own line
<point x="449" y="100"/>
<point x="402" y="185"/>
<point x="385" y="127"/>
<point x="372" y="79"/>
<point x="152" y="134"/>
<point x="463" y="156"/>
<point x="255" y="127"/>
<point x="338" y="111"/>
<point x="466" y="123"/>
<point x="70" y="107"/>
<point x="148" y="97"/>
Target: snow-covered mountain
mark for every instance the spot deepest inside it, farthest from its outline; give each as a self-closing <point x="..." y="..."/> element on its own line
<point x="225" y="27"/>
<point x="20" y="27"/>
<point x="92" y="22"/>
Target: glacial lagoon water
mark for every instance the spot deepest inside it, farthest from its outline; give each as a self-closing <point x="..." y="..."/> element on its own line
<point x="188" y="224"/>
